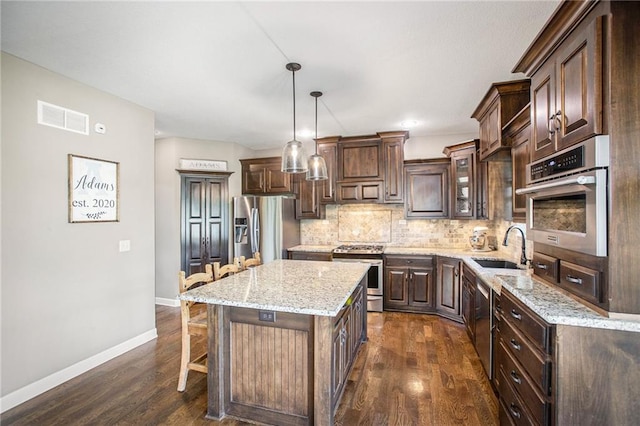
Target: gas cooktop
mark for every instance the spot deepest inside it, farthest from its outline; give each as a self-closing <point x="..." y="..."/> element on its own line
<point x="359" y="249"/>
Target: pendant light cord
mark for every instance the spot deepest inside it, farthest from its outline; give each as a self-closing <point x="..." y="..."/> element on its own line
<point x="294" y="103"/>
<point x="316" y="140"/>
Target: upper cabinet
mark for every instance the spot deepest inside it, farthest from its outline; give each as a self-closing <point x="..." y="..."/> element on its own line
<point x="566" y="92"/>
<point x="501" y="103"/>
<point x="518" y="134"/>
<point x="328" y="149"/>
<point x="262" y="176"/>
<point x="467" y="195"/>
<point x="363" y="169"/>
<point x="308" y="204"/>
<point x="427" y="189"/>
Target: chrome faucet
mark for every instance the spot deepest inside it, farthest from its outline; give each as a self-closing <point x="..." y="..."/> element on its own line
<point x="523" y="256"/>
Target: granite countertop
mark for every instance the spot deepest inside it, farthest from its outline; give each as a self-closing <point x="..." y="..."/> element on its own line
<point x="297" y="286"/>
<point x="549" y="303"/>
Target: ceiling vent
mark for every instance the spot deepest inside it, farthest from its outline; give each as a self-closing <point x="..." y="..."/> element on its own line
<point x="62" y="118"/>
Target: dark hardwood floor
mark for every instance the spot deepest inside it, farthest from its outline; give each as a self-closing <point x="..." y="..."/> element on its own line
<point x="415" y="370"/>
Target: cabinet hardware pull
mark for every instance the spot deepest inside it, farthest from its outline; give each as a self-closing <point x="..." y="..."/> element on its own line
<point x="541" y="266"/>
<point x="574" y="280"/>
<point x="514" y="344"/>
<point x="515" y="410"/>
<point x="516" y="315"/>
<point x="515" y="378"/>
<point x="552" y="129"/>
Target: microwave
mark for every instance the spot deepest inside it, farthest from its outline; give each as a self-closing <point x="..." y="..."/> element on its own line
<point x="567" y="198"/>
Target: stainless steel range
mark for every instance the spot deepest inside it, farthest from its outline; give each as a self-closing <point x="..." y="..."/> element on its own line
<point x="371" y="254"/>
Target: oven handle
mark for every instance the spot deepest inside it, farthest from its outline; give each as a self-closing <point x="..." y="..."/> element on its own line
<point x="580" y="180"/>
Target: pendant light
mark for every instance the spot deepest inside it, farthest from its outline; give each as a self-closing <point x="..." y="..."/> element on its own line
<point x="294" y="159"/>
<point x="317" y="169"/>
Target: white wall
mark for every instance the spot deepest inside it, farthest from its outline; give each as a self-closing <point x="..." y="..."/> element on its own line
<point x="420" y="147"/>
<point x="68" y="294"/>
<point x="168" y="153"/>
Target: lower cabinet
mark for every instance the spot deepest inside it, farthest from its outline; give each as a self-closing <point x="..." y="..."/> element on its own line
<point x="409" y="283"/>
<point x="468" y="302"/>
<point x="524" y="364"/>
<point x="310" y="255"/>
<point x="448" y="288"/>
<point x="347" y="334"/>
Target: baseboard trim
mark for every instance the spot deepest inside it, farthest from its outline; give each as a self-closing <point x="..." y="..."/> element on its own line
<point x="36" y="388"/>
<point x="167" y="302"/>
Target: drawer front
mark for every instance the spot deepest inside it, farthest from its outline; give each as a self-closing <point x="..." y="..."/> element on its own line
<point x="546" y="267"/>
<point x="533" y="362"/>
<point x="579" y="280"/>
<point x="513" y="410"/>
<point x="307" y="255"/>
<point x="532" y="326"/>
<point x="409" y="261"/>
<point x="522" y="384"/>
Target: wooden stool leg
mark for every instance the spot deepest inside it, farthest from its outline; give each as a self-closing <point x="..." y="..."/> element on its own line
<point x="184" y="361"/>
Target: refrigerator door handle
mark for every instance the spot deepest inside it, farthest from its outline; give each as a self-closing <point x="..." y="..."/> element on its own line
<point x="255" y="238"/>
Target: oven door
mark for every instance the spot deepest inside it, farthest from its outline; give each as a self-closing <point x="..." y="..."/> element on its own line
<point x="570" y="213"/>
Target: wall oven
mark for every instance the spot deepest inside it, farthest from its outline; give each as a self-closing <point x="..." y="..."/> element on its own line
<point x="371" y="255"/>
<point x="567" y="198"/>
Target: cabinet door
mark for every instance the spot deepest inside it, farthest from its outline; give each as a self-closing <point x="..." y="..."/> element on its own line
<point x="396" y="288"/>
<point x="490" y="130"/>
<point x="427" y="191"/>
<point x="253" y="179"/>
<point x="421" y="288"/>
<point x="448" y="288"/>
<point x="360" y="160"/>
<point x="359" y="192"/>
<point x="393" y="150"/>
<point x="329" y="151"/>
<point x="543" y="87"/>
<point x="277" y="182"/>
<point x="308" y="199"/>
<point x="519" y="160"/>
<point x="579" y="73"/>
<point x="463" y="185"/>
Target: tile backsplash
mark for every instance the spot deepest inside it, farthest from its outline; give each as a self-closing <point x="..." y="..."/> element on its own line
<point x="385" y="224"/>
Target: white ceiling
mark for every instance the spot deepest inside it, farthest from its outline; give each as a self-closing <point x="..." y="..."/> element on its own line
<point x="216" y="70"/>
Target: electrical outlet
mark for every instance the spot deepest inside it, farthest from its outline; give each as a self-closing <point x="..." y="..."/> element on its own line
<point x="267" y="316"/>
<point x="125" y="245"/>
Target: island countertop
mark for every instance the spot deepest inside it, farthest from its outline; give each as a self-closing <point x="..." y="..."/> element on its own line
<point x="296" y="286"/>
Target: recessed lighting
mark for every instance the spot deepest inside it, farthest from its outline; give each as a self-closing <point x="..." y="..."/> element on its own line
<point x="407" y="124"/>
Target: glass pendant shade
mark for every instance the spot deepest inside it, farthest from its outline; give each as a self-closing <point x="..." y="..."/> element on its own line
<point x="294" y="158"/>
<point x="317" y="168"/>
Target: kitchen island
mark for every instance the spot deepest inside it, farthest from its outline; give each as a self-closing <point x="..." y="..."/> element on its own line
<point x="282" y="338"/>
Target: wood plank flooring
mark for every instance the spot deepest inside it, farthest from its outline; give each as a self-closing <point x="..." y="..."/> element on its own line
<point x="415" y="370"/>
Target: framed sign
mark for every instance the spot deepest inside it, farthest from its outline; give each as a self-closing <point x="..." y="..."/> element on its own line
<point x="209" y="165"/>
<point x="93" y="190"/>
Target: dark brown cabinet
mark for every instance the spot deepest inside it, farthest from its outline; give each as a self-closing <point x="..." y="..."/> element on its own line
<point x="468" y="181"/>
<point x="409" y="283"/>
<point x="363" y="169"/>
<point x="448" y="288"/>
<point x="308" y="204"/>
<point x="204" y="220"/>
<point x="262" y="176"/>
<point x="524" y="362"/>
<point x="469" y="301"/>
<point x="310" y="255"/>
<point x="393" y="160"/>
<point x="501" y="103"/>
<point x="567" y="92"/>
<point x="427" y="189"/>
<point x="328" y="149"/>
<point x="518" y="134"/>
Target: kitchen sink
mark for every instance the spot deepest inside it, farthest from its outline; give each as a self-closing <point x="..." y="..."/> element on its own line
<point x="490" y="263"/>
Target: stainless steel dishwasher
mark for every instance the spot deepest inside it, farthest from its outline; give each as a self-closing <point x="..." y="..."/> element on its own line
<point x="484" y="341"/>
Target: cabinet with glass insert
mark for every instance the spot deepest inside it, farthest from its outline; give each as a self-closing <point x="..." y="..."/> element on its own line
<point x="464" y="200"/>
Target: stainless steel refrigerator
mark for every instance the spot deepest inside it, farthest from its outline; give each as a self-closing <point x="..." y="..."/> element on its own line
<point x="264" y="224"/>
